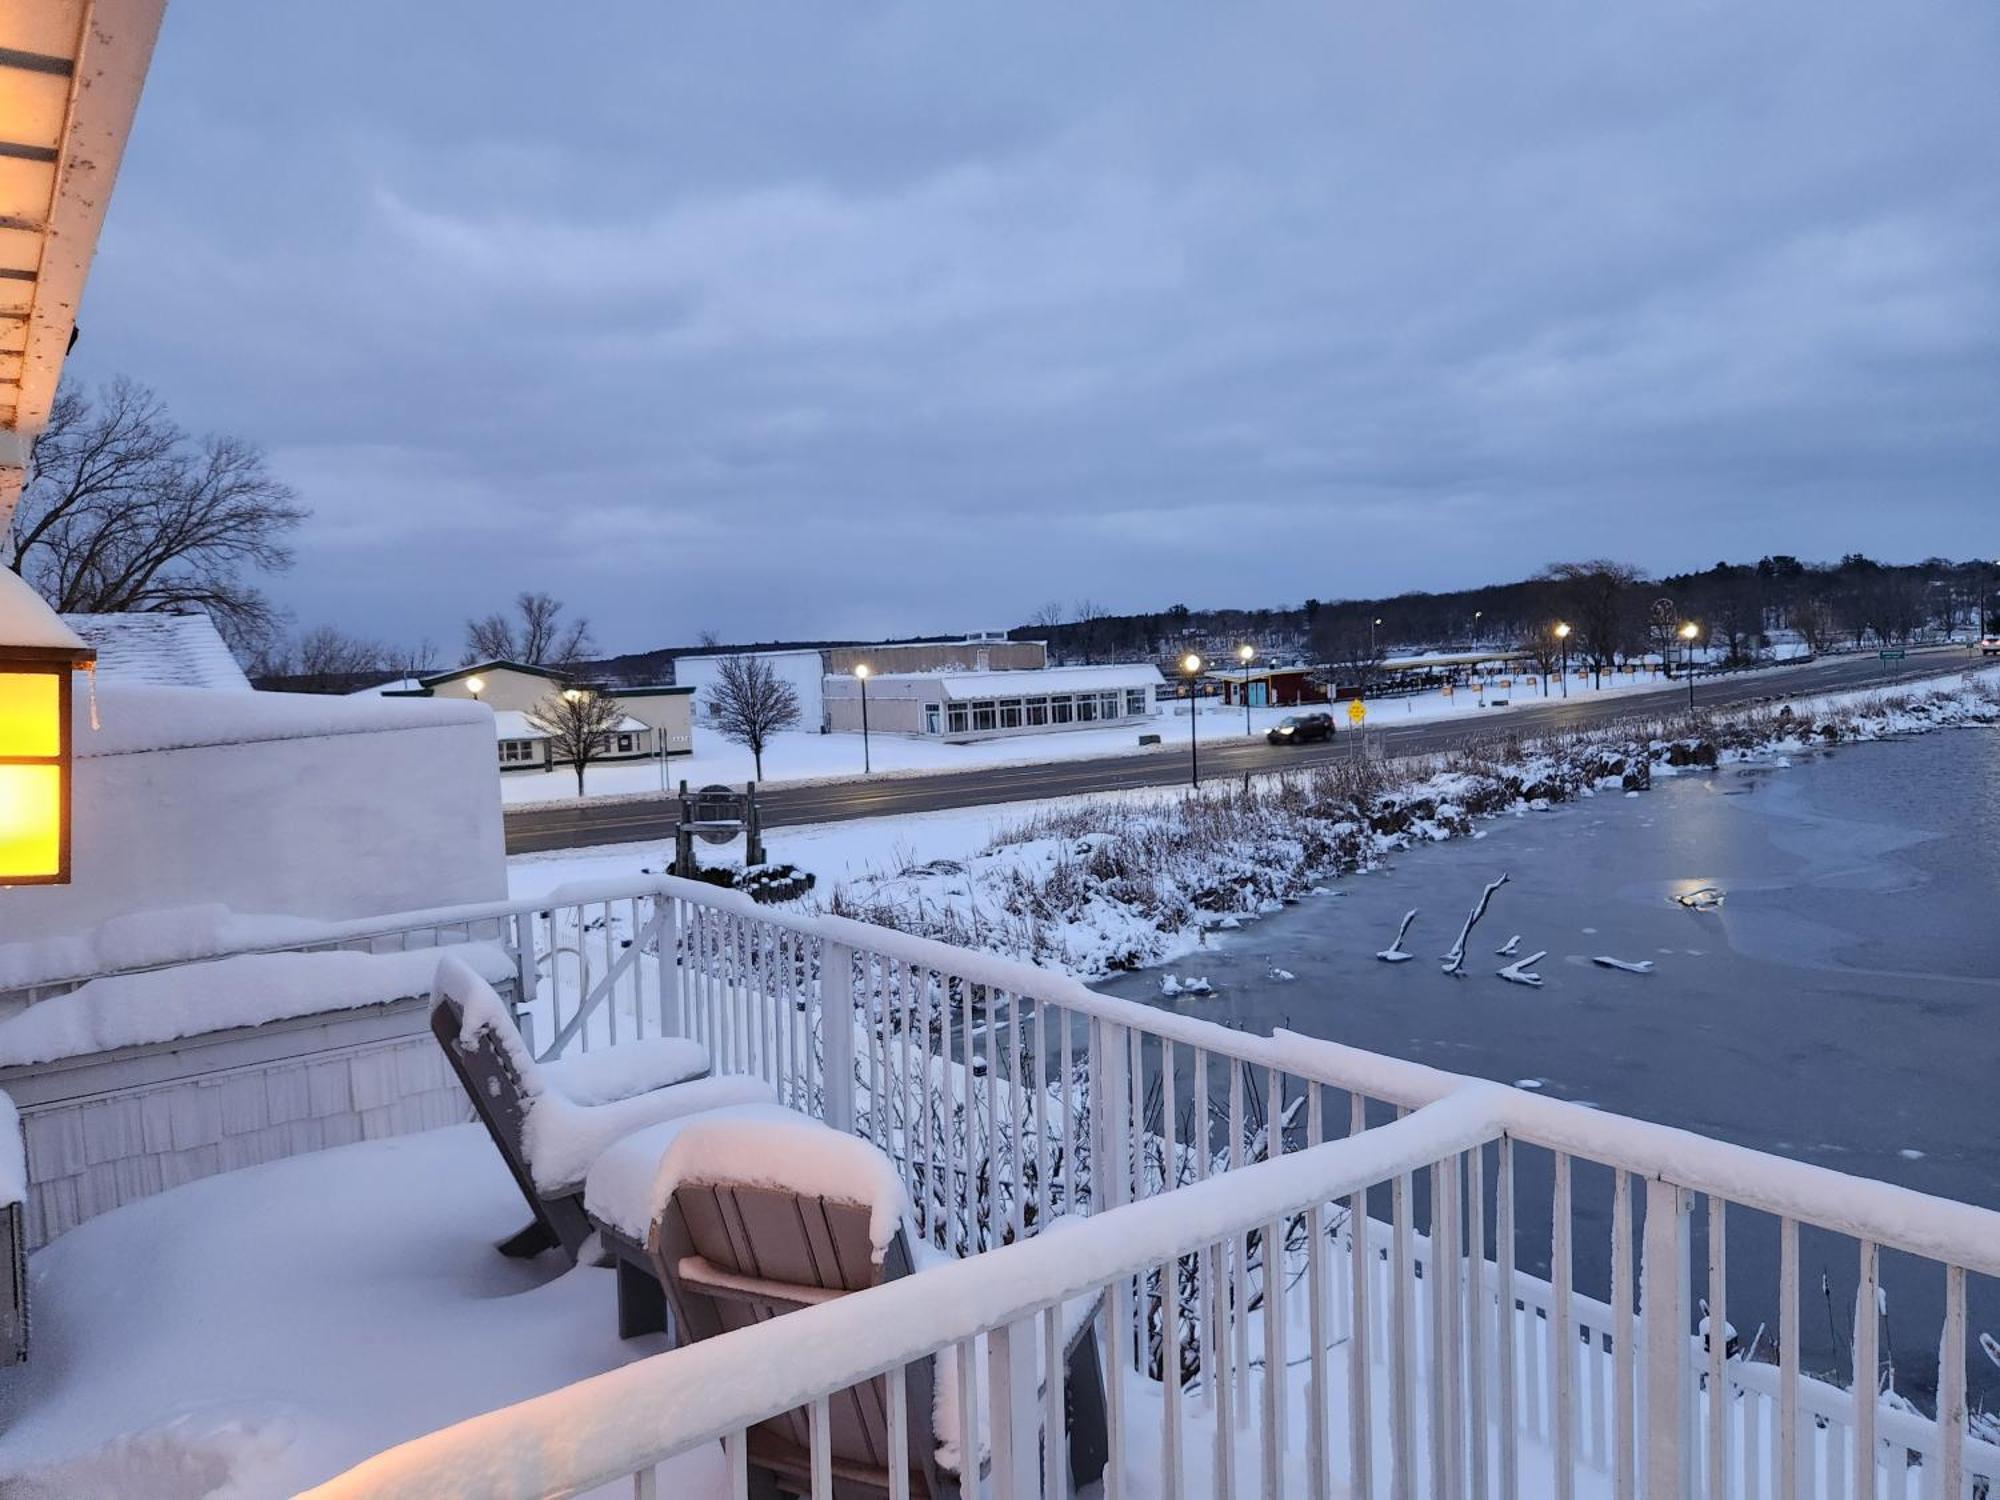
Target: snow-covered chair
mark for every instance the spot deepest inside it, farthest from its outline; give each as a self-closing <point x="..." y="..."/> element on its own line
<point x="551" y="1120"/>
<point x="743" y="1214"/>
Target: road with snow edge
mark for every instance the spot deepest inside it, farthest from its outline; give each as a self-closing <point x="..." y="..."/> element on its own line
<point x="629" y="821"/>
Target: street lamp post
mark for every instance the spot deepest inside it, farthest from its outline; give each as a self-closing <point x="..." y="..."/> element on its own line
<point x="861" y="676"/>
<point x="1191" y="668"/>
<point x="1688" y="633"/>
<point x="1562" y="634"/>
<point x="1245" y="655"/>
<point x="1373" y="626"/>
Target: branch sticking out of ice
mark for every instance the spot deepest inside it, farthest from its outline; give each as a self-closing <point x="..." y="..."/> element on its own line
<point x="1454" y="961"/>
<point x="1509" y="948"/>
<point x="1521" y="970"/>
<point x="1624" y="965"/>
<point x="1394" y="954"/>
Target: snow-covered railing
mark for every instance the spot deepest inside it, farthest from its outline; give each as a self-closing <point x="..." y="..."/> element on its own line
<point x="1009" y="1096"/>
<point x="985" y="1316"/>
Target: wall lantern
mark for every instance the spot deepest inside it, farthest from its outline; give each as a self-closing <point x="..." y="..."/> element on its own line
<point x="38" y="655"/>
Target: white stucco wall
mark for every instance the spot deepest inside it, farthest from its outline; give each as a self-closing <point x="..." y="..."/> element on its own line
<point x="272" y="803"/>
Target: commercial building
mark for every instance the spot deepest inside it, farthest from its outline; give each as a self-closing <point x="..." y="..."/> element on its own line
<point x="808" y="667"/>
<point x="960" y="706"/>
<point x="1269" y="687"/>
<point x="655" y="720"/>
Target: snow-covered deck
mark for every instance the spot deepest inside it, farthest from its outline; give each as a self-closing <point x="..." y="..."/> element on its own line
<point x="268" y="1328"/>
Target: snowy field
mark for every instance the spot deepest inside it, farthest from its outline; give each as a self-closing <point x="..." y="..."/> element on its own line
<point x="796" y="756"/>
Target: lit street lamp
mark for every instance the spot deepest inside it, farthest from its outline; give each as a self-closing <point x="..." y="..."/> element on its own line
<point x="1689" y="631"/>
<point x="861" y="676"/>
<point x="475" y="686"/>
<point x="1373" y="626"/>
<point x="1562" y="634"/>
<point x="1246" y="654"/>
<point x="1191" y="667"/>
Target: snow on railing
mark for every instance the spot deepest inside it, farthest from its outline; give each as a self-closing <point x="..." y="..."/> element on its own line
<point x="1009" y="1096"/>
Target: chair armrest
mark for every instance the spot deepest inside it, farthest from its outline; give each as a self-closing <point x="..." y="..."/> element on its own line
<point x="626" y="1070"/>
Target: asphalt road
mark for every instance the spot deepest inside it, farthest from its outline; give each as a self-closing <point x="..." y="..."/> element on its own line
<point x="621" y="822"/>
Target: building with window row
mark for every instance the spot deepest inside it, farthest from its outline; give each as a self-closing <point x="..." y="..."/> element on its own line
<point x="987" y="705"/>
<point x="655" y="720"/>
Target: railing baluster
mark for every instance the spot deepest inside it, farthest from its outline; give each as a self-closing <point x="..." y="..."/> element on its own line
<point x="1360" y="1379"/>
<point x="1787" y="1447"/>
<point x="1951" y="1387"/>
<point x="1510" y="1431"/>
<point x="1867" y="1370"/>
<point x="1044" y="1193"/>
<point x="646" y="1483"/>
<point x="1319" y="1454"/>
<point x="1220" y="1378"/>
<point x="970" y="1047"/>
<point x="1117" y="1314"/>
<point x="1718" y="1347"/>
<point x="992" y="1153"/>
<point x="836" y="1024"/>
<point x="1402" y="1410"/>
<point x="968" y="1418"/>
<point x="820" y="1423"/>
<point x="1013" y="1413"/>
<point x="1624" y="1356"/>
<point x="1452" y="1284"/>
<point x="1055" y="1447"/>
<point x="897" y="1438"/>
<point x="1072" y="1202"/>
<point x="1663" y="1311"/>
<point x="1275" y="1364"/>
<point x="1239" y="1256"/>
<point x="1018" y="1101"/>
<point x="736" y="1452"/>
<point x="1436" y="1277"/>
<point x="1475" y="1320"/>
<point x="1562" y="1333"/>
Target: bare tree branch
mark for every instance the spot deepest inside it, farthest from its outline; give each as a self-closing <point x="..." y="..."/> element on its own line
<point x="752" y="703"/>
<point x="578" y="723"/>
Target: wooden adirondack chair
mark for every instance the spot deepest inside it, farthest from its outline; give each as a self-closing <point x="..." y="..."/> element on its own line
<point x="549" y="1121"/>
<point x="723" y="1255"/>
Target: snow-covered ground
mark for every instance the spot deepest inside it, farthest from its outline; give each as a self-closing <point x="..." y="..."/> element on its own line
<point x="969" y="867"/>
<point x="796" y="756"/>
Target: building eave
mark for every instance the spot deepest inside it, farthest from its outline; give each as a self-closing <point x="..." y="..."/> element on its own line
<point x="70" y="76"/>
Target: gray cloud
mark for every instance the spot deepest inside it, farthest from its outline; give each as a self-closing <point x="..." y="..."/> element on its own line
<point x="887" y="317"/>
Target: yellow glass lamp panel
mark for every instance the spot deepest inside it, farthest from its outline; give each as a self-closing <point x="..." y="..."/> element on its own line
<point x="30" y="714"/>
<point x="30" y="821"/>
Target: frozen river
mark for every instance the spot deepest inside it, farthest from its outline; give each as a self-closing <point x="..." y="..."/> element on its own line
<point x="1842" y="1006"/>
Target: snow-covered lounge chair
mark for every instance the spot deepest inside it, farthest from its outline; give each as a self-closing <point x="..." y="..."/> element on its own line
<point x="748" y="1213"/>
<point x="550" y="1120"/>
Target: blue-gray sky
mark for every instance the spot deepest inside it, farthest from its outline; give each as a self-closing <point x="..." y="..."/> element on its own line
<point x="843" y="319"/>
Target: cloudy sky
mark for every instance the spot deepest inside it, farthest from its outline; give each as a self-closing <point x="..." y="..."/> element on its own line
<point x="844" y="319"/>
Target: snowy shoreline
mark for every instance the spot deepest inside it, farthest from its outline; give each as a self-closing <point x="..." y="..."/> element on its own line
<point x="1103" y="885"/>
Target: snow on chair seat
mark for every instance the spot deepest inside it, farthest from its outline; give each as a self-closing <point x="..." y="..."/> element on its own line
<point x="548" y="1136"/>
<point x="739" y="1215"/>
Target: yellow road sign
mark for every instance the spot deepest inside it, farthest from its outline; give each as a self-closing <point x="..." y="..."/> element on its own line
<point x="1357" y="711"/>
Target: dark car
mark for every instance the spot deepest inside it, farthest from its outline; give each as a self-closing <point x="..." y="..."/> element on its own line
<point x="1297" y="729"/>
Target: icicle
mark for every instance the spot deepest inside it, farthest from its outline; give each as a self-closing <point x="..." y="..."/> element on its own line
<point x="90" y="673"/>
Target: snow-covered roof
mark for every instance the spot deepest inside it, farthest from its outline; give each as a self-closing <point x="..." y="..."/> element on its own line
<point x="397" y="687"/>
<point x="135" y="719"/>
<point x="160" y="650"/>
<point x="1031" y="682"/>
<point x="512" y="724"/>
<point x="27" y="620"/>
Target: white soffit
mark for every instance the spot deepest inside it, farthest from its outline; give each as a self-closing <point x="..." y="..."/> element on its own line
<point x="70" y="75"/>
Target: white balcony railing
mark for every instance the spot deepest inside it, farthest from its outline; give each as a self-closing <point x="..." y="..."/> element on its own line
<point x="1249" y="1196"/>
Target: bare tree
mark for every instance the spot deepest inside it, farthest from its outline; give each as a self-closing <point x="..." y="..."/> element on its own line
<point x="1598" y="598"/>
<point x="124" y="511"/>
<point x="1545" y="648"/>
<point x="1088" y="617"/>
<point x="329" y="660"/>
<point x="1812" y="617"/>
<point x="708" y="640"/>
<point x="751" y="702"/>
<point x="534" y="634"/>
<point x="1350" y="647"/>
<point x="578" y="723"/>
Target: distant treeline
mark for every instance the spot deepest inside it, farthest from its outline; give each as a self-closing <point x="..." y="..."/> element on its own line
<point x="1614" y="611"/>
